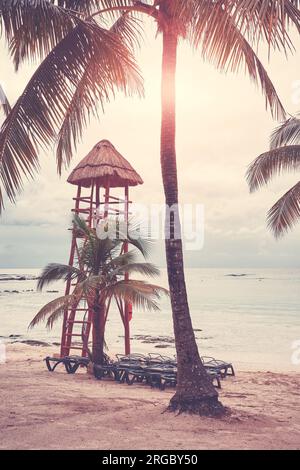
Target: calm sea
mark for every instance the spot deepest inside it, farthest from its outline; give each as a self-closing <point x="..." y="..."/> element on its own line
<point x="250" y="317"/>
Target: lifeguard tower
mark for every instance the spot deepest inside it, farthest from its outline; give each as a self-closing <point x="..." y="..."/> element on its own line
<point x="103" y="179"/>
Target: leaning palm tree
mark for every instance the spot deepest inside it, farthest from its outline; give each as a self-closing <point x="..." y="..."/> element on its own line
<point x="99" y="279"/>
<point x="84" y="63"/>
<point x="284" y="155"/>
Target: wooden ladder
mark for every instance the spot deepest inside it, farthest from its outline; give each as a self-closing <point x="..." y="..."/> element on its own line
<point x="77" y="320"/>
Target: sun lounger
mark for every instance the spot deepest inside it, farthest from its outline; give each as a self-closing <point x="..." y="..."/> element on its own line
<point x="154" y="358"/>
<point x="224" y="368"/>
<point x="109" y="370"/>
<point x="71" y="363"/>
<point x="131" y="358"/>
<point x="154" y="369"/>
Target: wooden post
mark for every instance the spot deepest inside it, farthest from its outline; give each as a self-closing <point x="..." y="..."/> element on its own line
<point x="106" y="200"/>
<point x="126" y="310"/>
<point x="64" y="338"/>
<point x="90" y="218"/>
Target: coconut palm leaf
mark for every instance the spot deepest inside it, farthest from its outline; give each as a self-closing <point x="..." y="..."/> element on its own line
<point x="114" y="7"/>
<point x="222" y="43"/>
<point x="130" y="29"/>
<point x="132" y="233"/>
<point x="259" y="20"/>
<point x="286" y="212"/>
<point x="55" y="307"/>
<point x="265" y="20"/>
<point x="20" y="161"/>
<point x="121" y="260"/>
<point x="81" y="225"/>
<point x="95" y="254"/>
<point x="138" y="293"/>
<point x="271" y="163"/>
<point x="146" y="269"/>
<point x="42" y="106"/>
<point x="286" y="134"/>
<point x="144" y="245"/>
<point x="90" y="94"/>
<point x="55" y="272"/>
<point x="87" y="7"/>
<point x="34" y="27"/>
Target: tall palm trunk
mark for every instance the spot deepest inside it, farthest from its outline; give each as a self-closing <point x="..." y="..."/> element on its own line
<point x="99" y="311"/>
<point x="195" y="391"/>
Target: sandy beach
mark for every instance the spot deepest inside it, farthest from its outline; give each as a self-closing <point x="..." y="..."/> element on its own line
<point x="42" y="410"/>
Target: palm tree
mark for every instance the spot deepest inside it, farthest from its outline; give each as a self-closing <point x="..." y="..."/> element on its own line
<point x="83" y="64"/>
<point x="99" y="278"/>
<point x="284" y="155"/>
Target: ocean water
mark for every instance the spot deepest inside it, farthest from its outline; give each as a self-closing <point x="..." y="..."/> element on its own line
<point x="250" y="317"/>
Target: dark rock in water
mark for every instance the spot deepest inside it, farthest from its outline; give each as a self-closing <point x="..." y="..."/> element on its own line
<point x="56" y="344"/>
<point x="161" y="346"/>
<point x="32" y="342"/>
<point x="154" y="339"/>
<point x="197" y="329"/>
<point x="236" y="275"/>
<point x="51" y="291"/>
<point x="17" y="277"/>
<point x="15" y="336"/>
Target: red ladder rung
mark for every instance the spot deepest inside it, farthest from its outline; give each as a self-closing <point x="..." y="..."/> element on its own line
<point x="82" y="211"/>
<point x="79" y="321"/>
<point x="74" y="334"/>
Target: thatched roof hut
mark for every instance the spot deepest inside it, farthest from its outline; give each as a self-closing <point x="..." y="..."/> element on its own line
<point x="103" y="165"/>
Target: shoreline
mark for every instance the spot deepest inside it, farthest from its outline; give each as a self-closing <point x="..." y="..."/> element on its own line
<point x="40" y="410"/>
<point x="54" y="346"/>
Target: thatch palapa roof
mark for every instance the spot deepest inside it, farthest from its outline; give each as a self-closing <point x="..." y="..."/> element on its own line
<point x="104" y="165"/>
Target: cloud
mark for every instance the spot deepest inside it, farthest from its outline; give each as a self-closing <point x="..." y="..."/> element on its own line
<point x="221" y="127"/>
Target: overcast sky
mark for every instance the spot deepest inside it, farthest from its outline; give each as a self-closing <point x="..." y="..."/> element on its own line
<point x="222" y="125"/>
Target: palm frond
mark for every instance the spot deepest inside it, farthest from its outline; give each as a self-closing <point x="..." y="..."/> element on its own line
<point x="146" y="269"/>
<point x="133" y="233"/>
<point x="265" y="20"/>
<point x="86" y="7"/>
<point x="130" y="29"/>
<point x="144" y="245"/>
<point x="42" y="106"/>
<point x="55" y="272"/>
<point x="286" y="212"/>
<point x="95" y="252"/>
<point x="19" y="161"/>
<point x="139" y="293"/>
<point x="121" y="260"/>
<point x="55" y="307"/>
<point x="81" y="226"/>
<point x="4" y="103"/>
<point x="109" y="4"/>
<point x="268" y="164"/>
<point x="34" y="27"/>
<point x="90" y="94"/>
<point x="223" y="44"/>
<point x="286" y="134"/>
